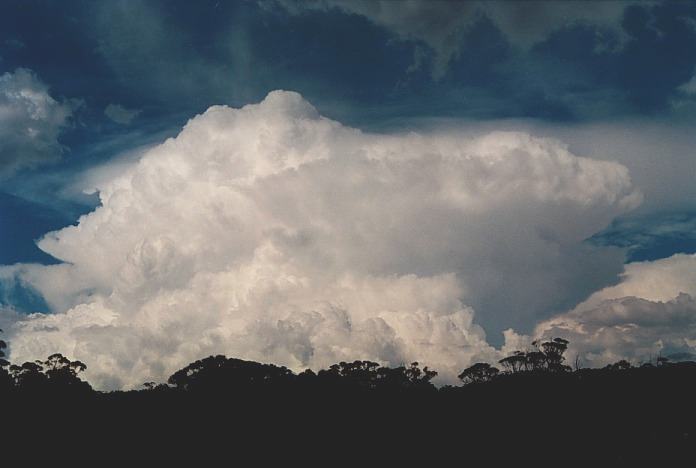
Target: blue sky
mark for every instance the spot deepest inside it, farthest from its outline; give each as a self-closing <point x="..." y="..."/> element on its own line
<point x="612" y="80"/>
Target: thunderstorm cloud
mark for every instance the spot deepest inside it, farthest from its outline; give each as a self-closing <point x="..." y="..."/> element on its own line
<point x="270" y="232"/>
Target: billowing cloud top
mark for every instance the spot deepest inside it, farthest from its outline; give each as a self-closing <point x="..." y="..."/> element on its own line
<point x="272" y="233"/>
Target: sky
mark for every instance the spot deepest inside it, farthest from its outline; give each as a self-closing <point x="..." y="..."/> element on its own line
<point x="308" y="182"/>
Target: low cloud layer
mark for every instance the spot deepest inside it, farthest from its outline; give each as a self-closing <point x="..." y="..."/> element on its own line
<point x="272" y="233"/>
<point x="651" y="312"/>
<point x="30" y="122"/>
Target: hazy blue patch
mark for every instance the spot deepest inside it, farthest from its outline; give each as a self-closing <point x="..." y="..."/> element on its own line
<point x="21" y="298"/>
<point x="651" y="237"/>
<point x="21" y="222"/>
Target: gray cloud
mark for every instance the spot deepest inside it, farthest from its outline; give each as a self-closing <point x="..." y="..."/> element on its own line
<point x="30" y="122"/>
<point x="652" y="311"/>
<point x="659" y="155"/>
<point x="442" y="24"/>
<point x="120" y="114"/>
<point x="147" y="50"/>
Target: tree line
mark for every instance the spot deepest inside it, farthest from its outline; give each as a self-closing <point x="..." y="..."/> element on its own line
<point x="219" y="373"/>
<point x="530" y="406"/>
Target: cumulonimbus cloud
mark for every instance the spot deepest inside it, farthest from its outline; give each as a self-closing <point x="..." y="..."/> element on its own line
<point x="272" y="233"/>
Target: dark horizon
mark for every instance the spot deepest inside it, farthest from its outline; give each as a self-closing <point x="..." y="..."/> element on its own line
<point x="219" y="409"/>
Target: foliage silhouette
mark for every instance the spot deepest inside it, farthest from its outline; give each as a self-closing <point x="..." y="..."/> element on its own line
<point x="479" y="373"/>
<point x="220" y="374"/>
<point x="619" y="365"/>
<point x="5" y="379"/>
<point x="57" y="375"/>
<point x="536" y="408"/>
<point x="368" y="375"/>
<point x="547" y="356"/>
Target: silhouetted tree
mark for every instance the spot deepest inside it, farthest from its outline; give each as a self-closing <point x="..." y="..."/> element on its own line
<point x="5" y="379"/>
<point x="478" y="373"/>
<point x="218" y="373"/>
<point x="3" y="347"/>
<point x="547" y="357"/>
<point x="370" y="375"/>
<point x="416" y="376"/>
<point x="28" y="377"/>
<point x="620" y="365"/>
<point x="57" y="374"/>
<point x="402" y="377"/>
<point x="307" y="375"/>
<point x="63" y="372"/>
<point x="357" y="373"/>
<point x="514" y="363"/>
<point x="611" y="413"/>
<point x="554" y="350"/>
<point x="536" y="361"/>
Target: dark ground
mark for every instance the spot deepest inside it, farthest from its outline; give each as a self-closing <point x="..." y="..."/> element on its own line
<point x="225" y="411"/>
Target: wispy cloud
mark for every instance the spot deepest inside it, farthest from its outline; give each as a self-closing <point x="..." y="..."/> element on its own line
<point x="120" y="114"/>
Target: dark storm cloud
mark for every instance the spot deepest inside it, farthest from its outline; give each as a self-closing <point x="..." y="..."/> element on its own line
<point x="550" y="60"/>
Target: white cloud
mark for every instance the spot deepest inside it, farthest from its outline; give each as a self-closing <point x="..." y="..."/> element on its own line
<point x="442" y="24"/>
<point x="651" y="311"/>
<point x="272" y="233"/>
<point x="120" y="114"/>
<point x="30" y="122"/>
<point x="659" y="155"/>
